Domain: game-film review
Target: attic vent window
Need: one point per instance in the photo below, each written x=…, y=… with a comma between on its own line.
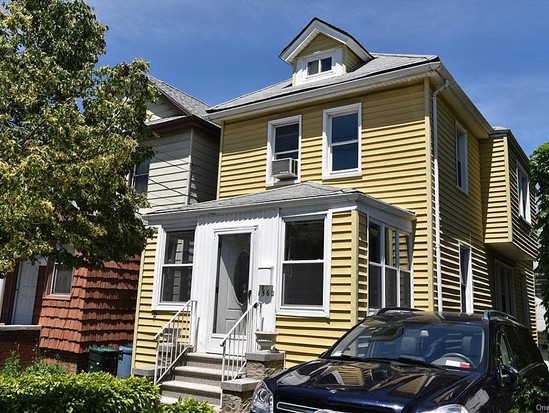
x=317, y=66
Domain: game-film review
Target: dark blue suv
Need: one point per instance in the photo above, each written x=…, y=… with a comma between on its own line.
x=406, y=360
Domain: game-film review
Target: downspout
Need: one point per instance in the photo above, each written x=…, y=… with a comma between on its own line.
x=437, y=194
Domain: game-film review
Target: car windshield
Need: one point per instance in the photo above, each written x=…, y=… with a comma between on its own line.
x=441, y=344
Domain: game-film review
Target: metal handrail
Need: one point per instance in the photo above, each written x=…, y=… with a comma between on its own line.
x=239, y=340
x=174, y=339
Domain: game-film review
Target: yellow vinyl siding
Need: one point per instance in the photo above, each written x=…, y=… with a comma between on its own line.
x=362, y=281
x=461, y=217
x=495, y=177
x=521, y=230
x=319, y=44
x=351, y=61
x=505, y=228
x=306, y=337
x=394, y=160
x=147, y=324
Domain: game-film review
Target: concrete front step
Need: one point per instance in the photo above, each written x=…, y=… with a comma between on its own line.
x=174, y=389
x=206, y=360
x=198, y=375
x=172, y=400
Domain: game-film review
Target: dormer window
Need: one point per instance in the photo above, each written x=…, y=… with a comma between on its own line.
x=319, y=66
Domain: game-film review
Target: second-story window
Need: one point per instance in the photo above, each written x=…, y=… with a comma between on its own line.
x=283, y=158
x=523, y=184
x=342, y=128
x=140, y=177
x=461, y=158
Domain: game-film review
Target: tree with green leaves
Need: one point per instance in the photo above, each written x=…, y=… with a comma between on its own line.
x=539, y=169
x=69, y=137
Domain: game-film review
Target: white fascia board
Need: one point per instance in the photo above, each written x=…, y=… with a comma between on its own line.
x=385, y=206
x=338, y=89
x=157, y=218
x=480, y=125
x=317, y=27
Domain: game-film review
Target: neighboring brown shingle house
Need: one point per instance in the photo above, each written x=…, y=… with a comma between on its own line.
x=80, y=308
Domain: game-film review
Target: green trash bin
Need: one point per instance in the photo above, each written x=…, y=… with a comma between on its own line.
x=103, y=359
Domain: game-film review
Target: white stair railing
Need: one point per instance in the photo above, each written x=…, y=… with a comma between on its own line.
x=174, y=339
x=239, y=340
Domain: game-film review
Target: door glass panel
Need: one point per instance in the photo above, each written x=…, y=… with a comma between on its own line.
x=233, y=274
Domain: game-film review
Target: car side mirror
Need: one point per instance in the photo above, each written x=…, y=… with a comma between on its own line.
x=508, y=376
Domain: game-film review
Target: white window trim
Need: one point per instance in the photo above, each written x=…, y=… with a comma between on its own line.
x=526, y=215
x=52, y=284
x=157, y=304
x=469, y=282
x=272, y=125
x=327, y=172
x=301, y=75
x=461, y=131
x=383, y=265
x=306, y=311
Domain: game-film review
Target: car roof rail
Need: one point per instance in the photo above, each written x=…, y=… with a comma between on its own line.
x=386, y=310
x=489, y=314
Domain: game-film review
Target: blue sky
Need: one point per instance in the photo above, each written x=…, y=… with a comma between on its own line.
x=215, y=50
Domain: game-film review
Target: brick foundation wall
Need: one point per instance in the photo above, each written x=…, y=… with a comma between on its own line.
x=21, y=339
x=73, y=363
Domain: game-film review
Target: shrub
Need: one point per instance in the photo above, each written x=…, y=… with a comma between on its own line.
x=530, y=395
x=88, y=392
x=12, y=365
x=188, y=406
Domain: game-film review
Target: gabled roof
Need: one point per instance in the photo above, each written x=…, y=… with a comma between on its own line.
x=184, y=102
x=382, y=63
x=312, y=30
x=305, y=193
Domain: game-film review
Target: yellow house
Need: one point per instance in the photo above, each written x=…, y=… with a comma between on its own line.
x=364, y=181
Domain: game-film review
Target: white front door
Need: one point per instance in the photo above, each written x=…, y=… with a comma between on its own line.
x=233, y=286
x=25, y=293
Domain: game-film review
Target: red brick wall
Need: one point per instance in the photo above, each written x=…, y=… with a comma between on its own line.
x=22, y=339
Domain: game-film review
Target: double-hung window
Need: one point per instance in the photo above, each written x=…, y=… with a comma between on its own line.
x=176, y=269
x=461, y=158
x=140, y=177
x=523, y=193
x=304, y=282
x=341, y=141
x=389, y=267
x=284, y=142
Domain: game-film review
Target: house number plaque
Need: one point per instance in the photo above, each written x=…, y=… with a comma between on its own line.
x=266, y=293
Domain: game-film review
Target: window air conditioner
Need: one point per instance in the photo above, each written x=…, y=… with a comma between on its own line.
x=284, y=168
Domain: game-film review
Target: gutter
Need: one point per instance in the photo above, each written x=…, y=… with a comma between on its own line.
x=437, y=194
x=312, y=95
x=344, y=198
